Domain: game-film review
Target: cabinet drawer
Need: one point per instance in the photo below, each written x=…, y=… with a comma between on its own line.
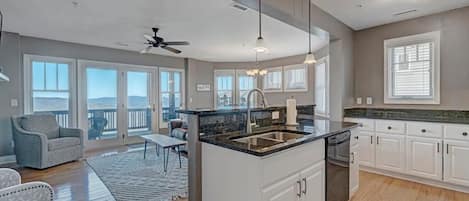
x=366, y=124
x=395, y=127
x=457, y=132
x=425, y=129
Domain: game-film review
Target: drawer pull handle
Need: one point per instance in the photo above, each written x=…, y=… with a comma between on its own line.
x=424, y=130
x=438, y=148
x=464, y=134
x=299, y=189
x=389, y=127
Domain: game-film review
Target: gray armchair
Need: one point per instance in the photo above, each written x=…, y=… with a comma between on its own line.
x=40, y=142
x=11, y=188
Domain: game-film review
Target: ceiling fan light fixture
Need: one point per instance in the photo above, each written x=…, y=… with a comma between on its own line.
x=310, y=58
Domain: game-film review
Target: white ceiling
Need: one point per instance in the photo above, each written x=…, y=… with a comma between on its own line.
x=379, y=12
x=216, y=30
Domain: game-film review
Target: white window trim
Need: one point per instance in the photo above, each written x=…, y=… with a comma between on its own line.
x=325, y=60
x=216, y=72
x=285, y=78
x=281, y=80
x=409, y=40
x=27, y=81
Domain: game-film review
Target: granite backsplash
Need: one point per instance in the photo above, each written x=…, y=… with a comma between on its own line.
x=229, y=122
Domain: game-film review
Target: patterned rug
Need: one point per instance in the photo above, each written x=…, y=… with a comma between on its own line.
x=129, y=177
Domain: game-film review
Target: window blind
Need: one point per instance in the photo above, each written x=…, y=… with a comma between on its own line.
x=412, y=70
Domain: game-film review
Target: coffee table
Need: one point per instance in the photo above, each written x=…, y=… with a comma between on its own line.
x=166, y=143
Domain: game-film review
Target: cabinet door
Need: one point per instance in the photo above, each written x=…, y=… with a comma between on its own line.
x=367, y=149
x=354, y=169
x=390, y=152
x=287, y=189
x=314, y=183
x=424, y=157
x=456, y=162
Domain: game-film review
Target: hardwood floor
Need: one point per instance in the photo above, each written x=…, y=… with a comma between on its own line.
x=78, y=182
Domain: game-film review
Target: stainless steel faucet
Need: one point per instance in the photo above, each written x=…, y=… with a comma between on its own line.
x=264, y=105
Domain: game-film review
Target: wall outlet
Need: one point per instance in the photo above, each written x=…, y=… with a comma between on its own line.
x=359, y=101
x=369, y=100
x=276, y=115
x=14, y=102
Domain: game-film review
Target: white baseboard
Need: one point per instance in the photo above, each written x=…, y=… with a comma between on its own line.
x=425, y=181
x=7, y=159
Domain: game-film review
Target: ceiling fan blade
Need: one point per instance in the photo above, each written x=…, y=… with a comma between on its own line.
x=177, y=43
x=145, y=50
x=176, y=51
x=149, y=38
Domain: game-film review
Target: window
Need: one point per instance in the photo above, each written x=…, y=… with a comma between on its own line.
x=272, y=81
x=232, y=87
x=49, y=87
x=296, y=77
x=412, y=69
x=224, y=88
x=321, y=87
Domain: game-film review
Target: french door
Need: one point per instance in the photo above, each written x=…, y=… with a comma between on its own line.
x=171, y=94
x=118, y=102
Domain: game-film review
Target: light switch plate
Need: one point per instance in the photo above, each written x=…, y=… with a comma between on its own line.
x=359, y=100
x=275, y=115
x=369, y=100
x=14, y=102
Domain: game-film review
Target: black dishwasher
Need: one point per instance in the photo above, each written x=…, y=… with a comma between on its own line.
x=337, y=167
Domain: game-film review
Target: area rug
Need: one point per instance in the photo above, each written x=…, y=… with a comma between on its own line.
x=130, y=177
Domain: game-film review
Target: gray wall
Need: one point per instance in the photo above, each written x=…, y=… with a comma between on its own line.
x=11, y=55
x=199, y=72
x=454, y=26
x=279, y=98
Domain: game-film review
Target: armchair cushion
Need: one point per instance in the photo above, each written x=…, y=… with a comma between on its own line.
x=9, y=177
x=63, y=142
x=179, y=133
x=41, y=123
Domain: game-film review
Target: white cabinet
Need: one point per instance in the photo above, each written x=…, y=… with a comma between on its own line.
x=424, y=157
x=367, y=149
x=354, y=169
x=456, y=158
x=390, y=152
x=287, y=189
x=314, y=183
x=307, y=185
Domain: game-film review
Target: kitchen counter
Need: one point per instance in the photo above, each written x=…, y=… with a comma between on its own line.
x=314, y=129
x=234, y=110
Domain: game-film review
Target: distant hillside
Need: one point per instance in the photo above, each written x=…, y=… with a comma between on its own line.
x=61, y=104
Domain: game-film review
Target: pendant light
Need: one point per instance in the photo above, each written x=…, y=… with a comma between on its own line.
x=257, y=71
x=260, y=43
x=310, y=59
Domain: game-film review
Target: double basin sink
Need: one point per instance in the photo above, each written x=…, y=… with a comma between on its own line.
x=269, y=140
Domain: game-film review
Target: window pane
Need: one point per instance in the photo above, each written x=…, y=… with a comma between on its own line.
x=320, y=88
x=63, y=76
x=177, y=82
x=296, y=78
x=38, y=75
x=273, y=80
x=224, y=98
x=56, y=103
x=164, y=76
x=137, y=90
x=51, y=76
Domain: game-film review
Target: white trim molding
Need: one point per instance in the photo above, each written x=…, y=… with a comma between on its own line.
x=434, y=38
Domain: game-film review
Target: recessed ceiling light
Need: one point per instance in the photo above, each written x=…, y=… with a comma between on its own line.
x=122, y=44
x=404, y=12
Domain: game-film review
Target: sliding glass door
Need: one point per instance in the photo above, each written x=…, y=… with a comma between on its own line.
x=171, y=94
x=120, y=102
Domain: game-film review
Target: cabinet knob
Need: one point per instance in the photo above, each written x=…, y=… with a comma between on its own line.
x=464, y=134
x=389, y=127
x=424, y=130
x=356, y=137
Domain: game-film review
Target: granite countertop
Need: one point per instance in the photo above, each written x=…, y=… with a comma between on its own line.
x=313, y=130
x=230, y=110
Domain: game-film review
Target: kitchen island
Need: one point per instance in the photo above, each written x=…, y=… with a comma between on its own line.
x=224, y=160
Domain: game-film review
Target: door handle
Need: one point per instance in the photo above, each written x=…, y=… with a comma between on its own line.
x=306, y=187
x=299, y=189
x=447, y=148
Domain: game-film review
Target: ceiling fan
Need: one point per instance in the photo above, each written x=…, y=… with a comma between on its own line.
x=155, y=42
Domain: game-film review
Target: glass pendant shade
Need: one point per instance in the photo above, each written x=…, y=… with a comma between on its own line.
x=260, y=45
x=310, y=59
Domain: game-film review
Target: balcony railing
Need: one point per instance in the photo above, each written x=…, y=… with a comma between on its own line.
x=137, y=118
